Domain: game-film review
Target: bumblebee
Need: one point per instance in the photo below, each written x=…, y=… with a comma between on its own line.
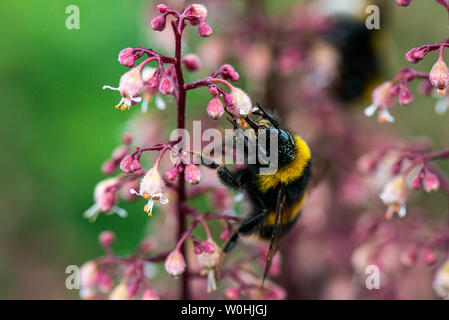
x=276, y=199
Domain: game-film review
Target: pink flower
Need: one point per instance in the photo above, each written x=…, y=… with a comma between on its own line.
x=131, y=86
x=405, y=96
x=215, y=108
x=241, y=103
x=152, y=188
x=204, y=30
x=126, y=57
x=196, y=14
x=172, y=173
x=105, y=199
x=175, y=264
x=191, y=62
x=209, y=259
x=439, y=76
x=106, y=238
x=383, y=100
x=158, y=23
x=394, y=196
x=166, y=85
x=192, y=174
x=431, y=182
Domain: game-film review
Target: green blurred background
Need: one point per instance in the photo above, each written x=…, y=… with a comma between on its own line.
x=58, y=126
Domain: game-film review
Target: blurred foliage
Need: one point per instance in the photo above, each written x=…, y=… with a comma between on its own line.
x=58, y=126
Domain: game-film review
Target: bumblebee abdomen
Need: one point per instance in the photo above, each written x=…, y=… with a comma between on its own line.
x=291, y=214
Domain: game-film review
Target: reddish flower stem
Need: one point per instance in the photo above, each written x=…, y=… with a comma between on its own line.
x=178, y=27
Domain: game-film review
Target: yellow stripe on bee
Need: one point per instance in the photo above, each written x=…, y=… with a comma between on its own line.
x=290, y=172
x=290, y=212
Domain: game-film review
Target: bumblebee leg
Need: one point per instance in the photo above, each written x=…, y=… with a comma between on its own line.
x=228, y=178
x=246, y=227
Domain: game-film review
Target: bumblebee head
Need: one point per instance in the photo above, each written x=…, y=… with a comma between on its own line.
x=284, y=151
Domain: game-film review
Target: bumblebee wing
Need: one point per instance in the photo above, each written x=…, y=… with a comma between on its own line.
x=277, y=231
x=320, y=169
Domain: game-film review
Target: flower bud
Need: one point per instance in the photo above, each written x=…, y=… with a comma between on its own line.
x=431, y=182
x=415, y=55
x=108, y=167
x=192, y=174
x=405, y=96
x=175, y=264
x=172, y=173
x=126, y=57
x=403, y=3
x=439, y=76
x=158, y=23
x=228, y=73
x=106, y=238
x=191, y=62
x=213, y=91
x=215, y=108
x=198, y=14
x=166, y=86
x=162, y=8
x=430, y=257
x=149, y=294
x=204, y=30
x=232, y=293
x=135, y=165
x=241, y=106
x=125, y=164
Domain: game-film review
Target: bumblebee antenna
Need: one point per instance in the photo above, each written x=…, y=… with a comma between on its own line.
x=270, y=118
x=252, y=123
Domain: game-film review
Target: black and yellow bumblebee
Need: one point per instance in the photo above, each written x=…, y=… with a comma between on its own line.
x=276, y=199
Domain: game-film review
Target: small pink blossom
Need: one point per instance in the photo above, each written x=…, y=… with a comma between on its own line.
x=151, y=188
x=192, y=174
x=439, y=76
x=106, y=238
x=431, y=182
x=191, y=62
x=204, y=30
x=175, y=264
x=215, y=108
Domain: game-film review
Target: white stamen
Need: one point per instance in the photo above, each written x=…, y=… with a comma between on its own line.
x=144, y=105
x=160, y=103
x=121, y=212
x=442, y=105
x=370, y=110
x=402, y=211
x=112, y=88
